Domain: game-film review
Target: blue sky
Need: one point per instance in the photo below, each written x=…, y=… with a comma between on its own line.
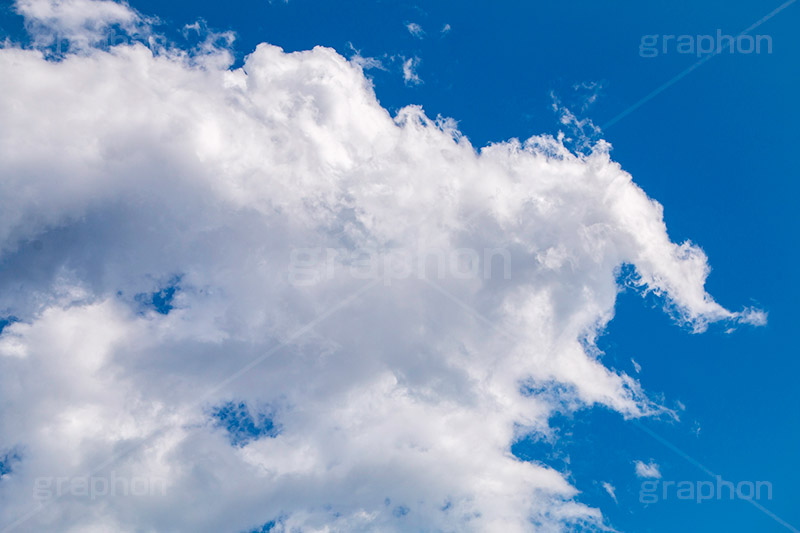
x=717, y=149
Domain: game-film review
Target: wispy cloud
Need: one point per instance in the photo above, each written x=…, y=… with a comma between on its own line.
x=415, y=30
x=410, y=71
x=609, y=488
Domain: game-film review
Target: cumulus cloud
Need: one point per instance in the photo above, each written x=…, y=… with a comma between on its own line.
x=270, y=301
x=647, y=470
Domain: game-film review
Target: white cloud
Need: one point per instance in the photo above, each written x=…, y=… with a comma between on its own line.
x=446, y=29
x=410, y=71
x=365, y=62
x=647, y=470
x=609, y=488
x=415, y=30
x=124, y=173
x=81, y=23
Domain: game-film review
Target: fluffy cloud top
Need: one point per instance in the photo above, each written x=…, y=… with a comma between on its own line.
x=78, y=23
x=179, y=238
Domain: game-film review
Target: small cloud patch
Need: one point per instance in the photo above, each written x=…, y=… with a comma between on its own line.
x=609, y=488
x=415, y=30
x=410, y=71
x=647, y=470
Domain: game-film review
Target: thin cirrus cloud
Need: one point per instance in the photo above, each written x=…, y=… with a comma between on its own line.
x=178, y=240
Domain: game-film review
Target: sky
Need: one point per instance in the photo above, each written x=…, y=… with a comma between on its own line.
x=394, y=266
